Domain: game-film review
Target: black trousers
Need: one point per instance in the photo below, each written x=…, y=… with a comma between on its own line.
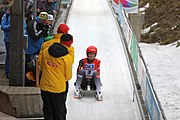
x=65, y=95
x=54, y=107
x=66, y=92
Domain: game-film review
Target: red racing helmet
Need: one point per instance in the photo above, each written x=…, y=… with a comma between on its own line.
x=91, y=49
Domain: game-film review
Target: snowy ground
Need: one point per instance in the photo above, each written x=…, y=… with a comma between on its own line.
x=163, y=63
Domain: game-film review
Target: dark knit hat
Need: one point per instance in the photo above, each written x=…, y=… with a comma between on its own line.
x=66, y=39
x=63, y=28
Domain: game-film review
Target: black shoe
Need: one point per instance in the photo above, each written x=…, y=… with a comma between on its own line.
x=84, y=88
x=92, y=88
x=7, y=76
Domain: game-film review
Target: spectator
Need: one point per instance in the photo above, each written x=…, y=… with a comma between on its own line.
x=3, y=9
x=50, y=20
x=28, y=10
x=5, y=26
x=47, y=5
x=50, y=23
x=56, y=67
x=37, y=30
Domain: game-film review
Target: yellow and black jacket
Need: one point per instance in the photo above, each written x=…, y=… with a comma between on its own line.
x=56, y=38
x=56, y=66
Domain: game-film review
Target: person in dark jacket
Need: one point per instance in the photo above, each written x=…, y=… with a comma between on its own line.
x=28, y=10
x=36, y=30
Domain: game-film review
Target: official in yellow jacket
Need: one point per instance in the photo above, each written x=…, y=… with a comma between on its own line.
x=62, y=29
x=56, y=66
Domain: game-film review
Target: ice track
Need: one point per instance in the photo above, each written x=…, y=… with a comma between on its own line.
x=92, y=22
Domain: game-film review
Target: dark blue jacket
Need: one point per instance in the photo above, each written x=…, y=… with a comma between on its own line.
x=34, y=46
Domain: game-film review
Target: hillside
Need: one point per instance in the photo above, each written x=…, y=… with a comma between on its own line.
x=166, y=15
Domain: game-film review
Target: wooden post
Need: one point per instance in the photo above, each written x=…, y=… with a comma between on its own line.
x=17, y=54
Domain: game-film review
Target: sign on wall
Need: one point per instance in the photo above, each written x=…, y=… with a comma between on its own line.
x=130, y=6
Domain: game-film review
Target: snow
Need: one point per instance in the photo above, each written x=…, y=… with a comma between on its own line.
x=164, y=68
x=144, y=8
x=146, y=30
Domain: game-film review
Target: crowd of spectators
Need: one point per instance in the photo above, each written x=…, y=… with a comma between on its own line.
x=37, y=28
x=49, y=6
x=53, y=54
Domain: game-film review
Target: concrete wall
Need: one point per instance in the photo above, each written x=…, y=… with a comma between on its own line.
x=21, y=101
